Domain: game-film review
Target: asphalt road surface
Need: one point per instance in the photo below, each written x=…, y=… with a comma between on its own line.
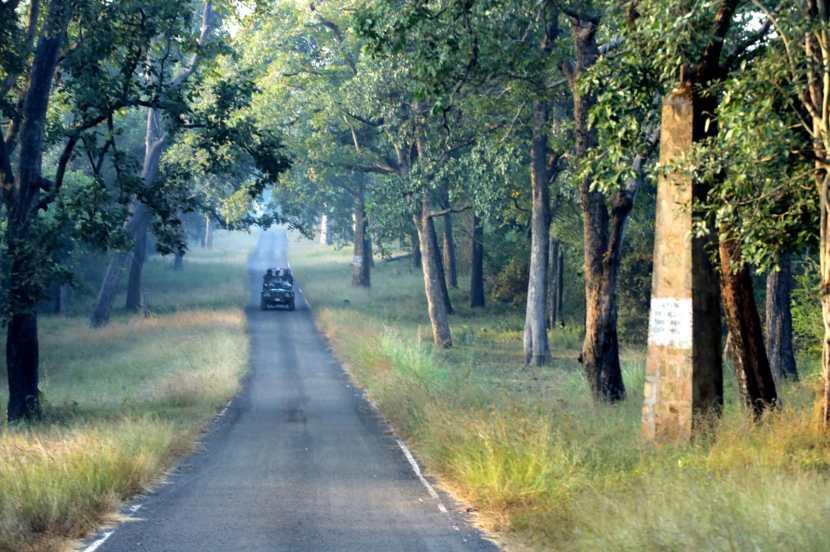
x=298, y=462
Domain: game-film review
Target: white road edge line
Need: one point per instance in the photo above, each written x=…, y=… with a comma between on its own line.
x=417, y=469
x=94, y=546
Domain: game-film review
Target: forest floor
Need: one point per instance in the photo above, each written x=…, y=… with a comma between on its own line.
x=546, y=468
x=122, y=402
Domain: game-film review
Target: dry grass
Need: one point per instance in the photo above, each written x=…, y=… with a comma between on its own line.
x=124, y=401
x=545, y=467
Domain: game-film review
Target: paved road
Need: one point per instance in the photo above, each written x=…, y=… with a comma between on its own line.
x=298, y=462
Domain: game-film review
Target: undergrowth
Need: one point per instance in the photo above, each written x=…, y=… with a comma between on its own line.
x=122, y=402
x=543, y=465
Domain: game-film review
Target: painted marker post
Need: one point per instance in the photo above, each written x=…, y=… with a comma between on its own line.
x=684, y=377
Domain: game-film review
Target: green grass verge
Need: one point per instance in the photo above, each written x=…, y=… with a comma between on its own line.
x=122, y=402
x=547, y=468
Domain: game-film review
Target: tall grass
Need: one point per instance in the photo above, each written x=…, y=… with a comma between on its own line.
x=122, y=402
x=543, y=465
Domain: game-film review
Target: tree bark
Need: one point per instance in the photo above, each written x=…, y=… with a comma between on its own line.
x=22, y=361
x=208, y=239
x=133, y=302
x=137, y=225
x=416, y=249
x=439, y=263
x=749, y=357
x=602, y=246
x=780, y=321
x=20, y=195
x=361, y=266
x=64, y=298
x=535, y=339
x=433, y=279
x=477, y=273
x=450, y=257
x=556, y=288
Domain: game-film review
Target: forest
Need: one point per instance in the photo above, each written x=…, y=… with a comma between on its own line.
x=576, y=253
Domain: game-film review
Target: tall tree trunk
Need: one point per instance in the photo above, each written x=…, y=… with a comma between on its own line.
x=602, y=249
x=439, y=264
x=749, y=356
x=535, y=339
x=22, y=366
x=780, y=321
x=208, y=240
x=139, y=255
x=477, y=272
x=433, y=279
x=361, y=267
x=20, y=195
x=154, y=145
x=137, y=225
x=416, y=249
x=64, y=298
x=823, y=181
x=450, y=257
x=325, y=230
x=556, y=288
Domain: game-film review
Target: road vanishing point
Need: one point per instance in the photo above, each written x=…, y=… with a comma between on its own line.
x=299, y=461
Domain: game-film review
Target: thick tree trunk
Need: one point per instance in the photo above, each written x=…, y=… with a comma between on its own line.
x=450, y=260
x=477, y=272
x=556, y=287
x=433, y=279
x=780, y=321
x=208, y=239
x=535, y=339
x=133, y=302
x=602, y=249
x=20, y=195
x=749, y=356
x=22, y=367
x=361, y=266
x=416, y=249
x=178, y=261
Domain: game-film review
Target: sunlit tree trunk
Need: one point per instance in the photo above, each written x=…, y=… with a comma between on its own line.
x=535, y=337
x=749, y=357
x=433, y=279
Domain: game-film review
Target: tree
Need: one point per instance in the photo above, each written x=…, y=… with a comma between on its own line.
x=140, y=217
x=98, y=81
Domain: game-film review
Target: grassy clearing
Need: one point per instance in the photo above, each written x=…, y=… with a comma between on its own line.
x=122, y=402
x=545, y=467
